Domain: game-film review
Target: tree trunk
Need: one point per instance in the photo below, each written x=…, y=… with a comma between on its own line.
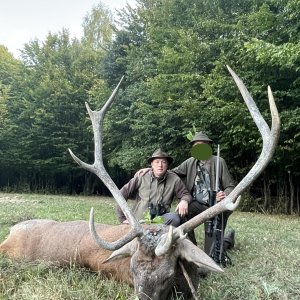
x=298, y=200
x=286, y=198
x=281, y=205
x=291, y=193
x=88, y=184
x=267, y=193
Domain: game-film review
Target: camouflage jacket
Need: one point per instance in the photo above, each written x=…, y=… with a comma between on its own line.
x=188, y=169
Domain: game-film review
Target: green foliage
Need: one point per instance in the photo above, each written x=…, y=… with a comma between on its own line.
x=46, y=108
x=97, y=28
x=9, y=72
x=191, y=134
x=177, y=80
x=147, y=219
x=173, y=54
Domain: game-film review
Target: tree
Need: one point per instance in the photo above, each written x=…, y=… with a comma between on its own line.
x=98, y=28
x=175, y=55
x=9, y=72
x=47, y=110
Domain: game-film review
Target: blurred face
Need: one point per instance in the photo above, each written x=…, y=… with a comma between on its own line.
x=201, y=150
x=159, y=166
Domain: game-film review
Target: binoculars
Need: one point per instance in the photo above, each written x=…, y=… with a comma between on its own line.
x=156, y=210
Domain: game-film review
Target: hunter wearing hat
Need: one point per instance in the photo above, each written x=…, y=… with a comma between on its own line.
x=155, y=191
x=199, y=177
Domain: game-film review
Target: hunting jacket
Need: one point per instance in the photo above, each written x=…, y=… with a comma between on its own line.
x=149, y=189
x=188, y=169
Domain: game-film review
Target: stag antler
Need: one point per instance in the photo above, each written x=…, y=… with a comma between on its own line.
x=269, y=137
x=98, y=169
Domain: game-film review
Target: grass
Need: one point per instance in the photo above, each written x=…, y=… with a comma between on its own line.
x=266, y=256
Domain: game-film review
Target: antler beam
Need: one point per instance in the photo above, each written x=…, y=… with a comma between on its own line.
x=98, y=169
x=270, y=139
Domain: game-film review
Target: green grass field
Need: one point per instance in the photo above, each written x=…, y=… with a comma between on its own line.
x=266, y=256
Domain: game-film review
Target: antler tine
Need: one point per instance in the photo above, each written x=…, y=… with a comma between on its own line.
x=109, y=245
x=98, y=168
x=270, y=139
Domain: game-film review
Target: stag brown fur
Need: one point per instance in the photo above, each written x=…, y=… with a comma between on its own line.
x=63, y=243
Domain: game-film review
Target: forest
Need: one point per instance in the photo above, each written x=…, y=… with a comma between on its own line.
x=173, y=56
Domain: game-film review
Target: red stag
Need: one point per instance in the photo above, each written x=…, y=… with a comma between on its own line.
x=157, y=260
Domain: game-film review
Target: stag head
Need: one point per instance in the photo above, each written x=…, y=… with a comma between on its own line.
x=161, y=256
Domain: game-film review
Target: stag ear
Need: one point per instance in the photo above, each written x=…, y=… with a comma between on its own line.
x=126, y=250
x=191, y=253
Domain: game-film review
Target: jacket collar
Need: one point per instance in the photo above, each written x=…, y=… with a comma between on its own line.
x=159, y=179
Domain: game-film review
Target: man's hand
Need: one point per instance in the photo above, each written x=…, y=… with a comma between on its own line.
x=220, y=196
x=125, y=222
x=182, y=208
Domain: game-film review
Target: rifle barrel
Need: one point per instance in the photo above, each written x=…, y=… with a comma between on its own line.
x=217, y=169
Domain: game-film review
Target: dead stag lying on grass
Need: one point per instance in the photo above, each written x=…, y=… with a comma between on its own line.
x=153, y=259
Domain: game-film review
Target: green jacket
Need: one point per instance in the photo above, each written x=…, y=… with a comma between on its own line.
x=149, y=189
x=187, y=172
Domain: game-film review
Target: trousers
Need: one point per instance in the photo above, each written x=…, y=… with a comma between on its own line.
x=196, y=208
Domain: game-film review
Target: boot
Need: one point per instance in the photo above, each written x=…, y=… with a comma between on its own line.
x=229, y=240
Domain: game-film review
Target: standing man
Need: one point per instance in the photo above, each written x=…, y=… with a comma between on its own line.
x=155, y=191
x=199, y=177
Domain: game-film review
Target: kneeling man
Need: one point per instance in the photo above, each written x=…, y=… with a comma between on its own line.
x=155, y=191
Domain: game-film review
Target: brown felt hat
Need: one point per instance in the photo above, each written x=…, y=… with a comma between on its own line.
x=200, y=136
x=160, y=154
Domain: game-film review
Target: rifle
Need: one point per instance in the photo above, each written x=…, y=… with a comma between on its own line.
x=214, y=234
